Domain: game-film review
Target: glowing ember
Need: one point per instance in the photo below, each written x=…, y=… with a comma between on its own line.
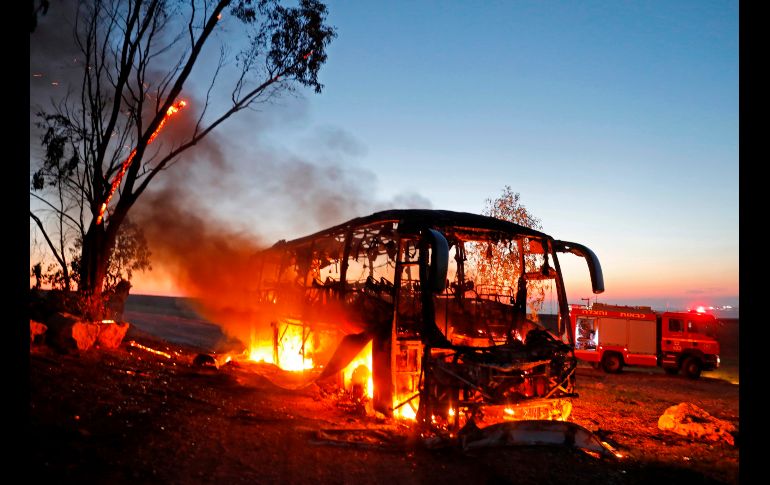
x=132, y=343
x=173, y=109
x=613, y=450
x=108, y=321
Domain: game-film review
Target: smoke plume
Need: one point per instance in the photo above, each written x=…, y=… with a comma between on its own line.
x=236, y=192
x=208, y=218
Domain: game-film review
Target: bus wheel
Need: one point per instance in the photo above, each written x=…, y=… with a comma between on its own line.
x=612, y=363
x=692, y=367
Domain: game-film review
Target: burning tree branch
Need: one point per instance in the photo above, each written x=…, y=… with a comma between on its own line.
x=119, y=177
x=134, y=66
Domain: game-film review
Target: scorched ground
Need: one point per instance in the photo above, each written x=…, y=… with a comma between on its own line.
x=132, y=416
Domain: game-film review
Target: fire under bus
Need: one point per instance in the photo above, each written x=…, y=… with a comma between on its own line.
x=449, y=347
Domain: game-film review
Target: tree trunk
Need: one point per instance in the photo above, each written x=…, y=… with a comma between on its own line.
x=93, y=268
x=95, y=257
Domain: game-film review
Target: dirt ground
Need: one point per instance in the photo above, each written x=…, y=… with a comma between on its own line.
x=131, y=416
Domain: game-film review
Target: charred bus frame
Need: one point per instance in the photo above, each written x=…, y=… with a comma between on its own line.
x=454, y=350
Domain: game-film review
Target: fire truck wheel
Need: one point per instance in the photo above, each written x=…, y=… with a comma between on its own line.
x=612, y=363
x=692, y=367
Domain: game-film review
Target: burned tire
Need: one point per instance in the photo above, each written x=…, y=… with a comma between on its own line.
x=612, y=363
x=692, y=367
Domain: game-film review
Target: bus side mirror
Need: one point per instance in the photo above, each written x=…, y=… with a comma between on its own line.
x=594, y=268
x=439, y=261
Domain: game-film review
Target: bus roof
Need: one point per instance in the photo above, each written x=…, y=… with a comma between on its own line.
x=426, y=218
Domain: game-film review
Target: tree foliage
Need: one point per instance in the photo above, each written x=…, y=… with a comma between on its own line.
x=135, y=58
x=499, y=264
x=130, y=254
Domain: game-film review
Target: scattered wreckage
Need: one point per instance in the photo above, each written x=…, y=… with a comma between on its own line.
x=441, y=297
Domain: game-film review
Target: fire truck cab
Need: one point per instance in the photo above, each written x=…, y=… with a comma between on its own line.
x=613, y=336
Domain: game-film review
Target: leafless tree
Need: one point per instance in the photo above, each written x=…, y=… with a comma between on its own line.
x=135, y=58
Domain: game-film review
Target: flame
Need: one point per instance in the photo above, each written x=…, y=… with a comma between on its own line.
x=173, y=109
x=259, y=350
x=406, y=412
x=292, y=357
x=364, y=358
x=261, y=354
x=295, y=349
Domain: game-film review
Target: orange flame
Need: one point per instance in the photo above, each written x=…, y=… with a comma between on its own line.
x=173, y=109
x=295, y=352
x=405, y=412
x=294, y=348
x=364, y=358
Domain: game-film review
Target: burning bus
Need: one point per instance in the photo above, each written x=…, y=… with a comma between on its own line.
x=440, y=298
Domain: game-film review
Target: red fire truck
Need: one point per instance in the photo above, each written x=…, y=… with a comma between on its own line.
x=612, y=336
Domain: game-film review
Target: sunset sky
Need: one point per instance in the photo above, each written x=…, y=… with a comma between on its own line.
x=617, y=122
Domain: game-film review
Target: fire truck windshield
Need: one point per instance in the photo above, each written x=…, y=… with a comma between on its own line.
x=704, y=327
